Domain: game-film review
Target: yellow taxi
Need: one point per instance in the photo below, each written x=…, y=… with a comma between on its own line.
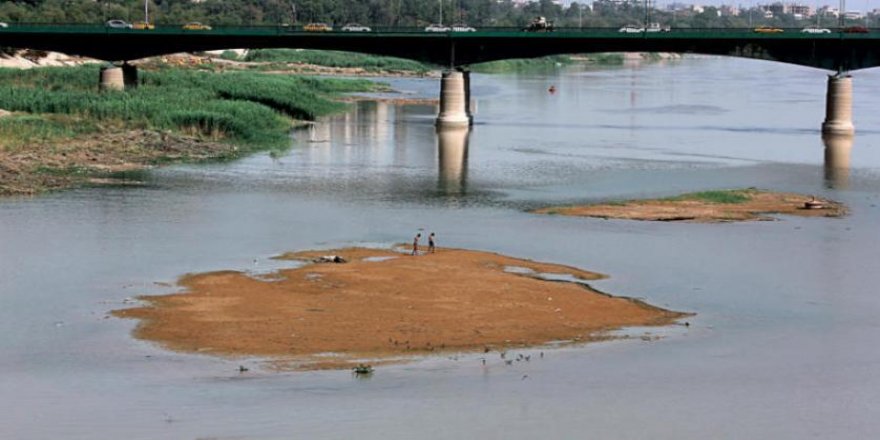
x=196, y=26
x=143, y=25
x=317, y=27
x=768, y=30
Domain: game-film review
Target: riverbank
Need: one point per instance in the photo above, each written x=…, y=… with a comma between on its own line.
x=57, y=130
x=708, y=206
x=385, y=304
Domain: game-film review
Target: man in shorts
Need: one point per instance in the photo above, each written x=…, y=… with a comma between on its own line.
x=415, y=250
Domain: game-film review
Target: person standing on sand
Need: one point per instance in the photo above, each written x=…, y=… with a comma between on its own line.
x=431, y=243
x=416, y=243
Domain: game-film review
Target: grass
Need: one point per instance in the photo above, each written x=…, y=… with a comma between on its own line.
x=230, y=55
x=730, y=196
x=255, y=109
x=329, y=58
x=522, y=64
x=63, y=131
x=609, y=59
x=19, y=131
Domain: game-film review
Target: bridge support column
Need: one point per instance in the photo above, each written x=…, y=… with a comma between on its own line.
x=453, y=104
x=838, y=106
x=129, y=76
x=468, y=107
x=111, y=78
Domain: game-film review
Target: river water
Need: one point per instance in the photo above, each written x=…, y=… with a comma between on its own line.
x=783, y=344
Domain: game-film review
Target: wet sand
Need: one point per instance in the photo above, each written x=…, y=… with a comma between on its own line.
x=330, y=315
x=704, y=207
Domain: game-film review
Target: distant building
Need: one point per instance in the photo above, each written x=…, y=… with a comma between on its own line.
x=798, y=10
x=729, y=11
x=828, y=11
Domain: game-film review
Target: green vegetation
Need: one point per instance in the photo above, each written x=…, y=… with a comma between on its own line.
x=19, y=131
x=610, y=59
x=729, y=196
x=239, y=106
x=523, y=64
x=230, y=55
x=332, y=58
x=63, y=131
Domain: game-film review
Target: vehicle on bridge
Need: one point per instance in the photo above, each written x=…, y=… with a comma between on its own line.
x=143, y=25
x=631, y=29
x=117, y=24
x=437, y=28
x=655, y=27
x=539, y=24
x=354, y=27
x=196, y=26
x=317, y=27
x=768, y=30
x=3, y=24
x=815, y=30
x=462, y=28
x=856, y=30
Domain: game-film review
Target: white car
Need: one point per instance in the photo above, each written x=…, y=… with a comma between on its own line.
x=462, y=28
x=631, y=30
x=815, y=30
x=3, y=24
x=118, y=24
x=354, y=27
x=437, y=28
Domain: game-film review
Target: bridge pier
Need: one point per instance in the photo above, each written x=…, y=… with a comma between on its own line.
x=111, y=78
x=118, y=77
x=468, y=105
x=838, y=106
x=129, y=76
x=453, y=100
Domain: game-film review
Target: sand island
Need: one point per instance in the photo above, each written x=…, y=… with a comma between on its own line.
x=384, y=304
x=708, y=206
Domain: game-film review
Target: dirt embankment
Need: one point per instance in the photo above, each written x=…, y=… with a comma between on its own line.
x=384, y=304
x=710, y=206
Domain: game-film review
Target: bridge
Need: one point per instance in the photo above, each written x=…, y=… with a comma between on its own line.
x=839, y=50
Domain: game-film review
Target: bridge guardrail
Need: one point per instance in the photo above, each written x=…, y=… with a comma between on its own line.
x=298, y=29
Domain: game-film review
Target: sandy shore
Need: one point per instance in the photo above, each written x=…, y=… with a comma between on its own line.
x=385, y=305
x=710, y=206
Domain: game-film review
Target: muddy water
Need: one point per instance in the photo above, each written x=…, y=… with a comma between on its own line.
x=783, y=346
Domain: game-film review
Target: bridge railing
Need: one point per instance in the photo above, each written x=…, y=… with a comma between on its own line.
x=299, y=29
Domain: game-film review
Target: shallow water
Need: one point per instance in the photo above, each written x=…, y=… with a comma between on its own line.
x=782, y=346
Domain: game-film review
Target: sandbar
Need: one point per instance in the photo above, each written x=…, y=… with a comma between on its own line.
x=386, y=305
x=708, y=207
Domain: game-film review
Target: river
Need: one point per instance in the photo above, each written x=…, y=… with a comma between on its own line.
x=783, y=344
